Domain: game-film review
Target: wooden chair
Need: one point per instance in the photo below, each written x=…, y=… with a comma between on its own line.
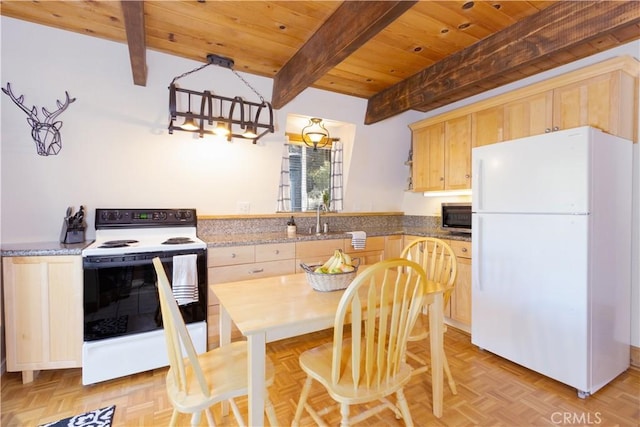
x=380, y=307
x=440, y=265
x=197, y=382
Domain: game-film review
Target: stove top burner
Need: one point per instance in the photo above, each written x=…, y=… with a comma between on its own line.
x=117, y=243
x=177, y=241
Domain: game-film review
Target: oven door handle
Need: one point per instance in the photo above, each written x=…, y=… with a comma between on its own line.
x=132, y=259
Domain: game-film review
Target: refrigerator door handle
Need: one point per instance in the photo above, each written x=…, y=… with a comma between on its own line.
x=477, y=237
x=477, y=177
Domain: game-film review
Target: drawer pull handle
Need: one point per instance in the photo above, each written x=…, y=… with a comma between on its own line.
x=277, y=252
x=464, y=249
x=257, y=270
x=233, y=255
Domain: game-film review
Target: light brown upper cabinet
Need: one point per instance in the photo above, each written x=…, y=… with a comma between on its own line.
x=442, y=155
x=603, y=95
x=604, y=102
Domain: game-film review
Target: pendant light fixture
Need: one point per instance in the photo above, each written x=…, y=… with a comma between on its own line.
x=221, y=129
x=189, y=122
x=233, y=121
x=315, y=134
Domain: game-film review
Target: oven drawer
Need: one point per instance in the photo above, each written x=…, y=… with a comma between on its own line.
x=230, y=255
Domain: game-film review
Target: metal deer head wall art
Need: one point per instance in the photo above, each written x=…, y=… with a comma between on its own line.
x=46, y=133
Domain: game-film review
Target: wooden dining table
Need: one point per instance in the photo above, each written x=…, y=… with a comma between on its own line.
x=274, y=308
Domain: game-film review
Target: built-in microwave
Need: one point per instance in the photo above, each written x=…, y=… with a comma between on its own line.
x=456, y=217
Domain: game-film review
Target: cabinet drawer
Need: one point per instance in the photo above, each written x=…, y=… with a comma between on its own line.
x=275, y=252
x=230, y=255
x=460, y=248
x=233, y=273
x=317, y=248
x=372, y=244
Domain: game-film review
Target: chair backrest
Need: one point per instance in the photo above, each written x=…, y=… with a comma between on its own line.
x=177, y=336
x=381, y=304
x=437, y=259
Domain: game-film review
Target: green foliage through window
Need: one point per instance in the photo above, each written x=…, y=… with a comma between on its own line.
x=309, y=172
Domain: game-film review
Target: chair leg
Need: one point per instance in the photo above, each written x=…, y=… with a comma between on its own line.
x=210, y=419
x=174, y=418
x=344, y=412
x=303, y=399
x=404, y=408
x=195, y=419
x=270, y=411
x=447, y=370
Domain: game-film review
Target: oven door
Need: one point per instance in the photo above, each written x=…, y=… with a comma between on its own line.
x=120, y=295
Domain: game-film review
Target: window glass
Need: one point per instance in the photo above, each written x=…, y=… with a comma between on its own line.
x=309, y=172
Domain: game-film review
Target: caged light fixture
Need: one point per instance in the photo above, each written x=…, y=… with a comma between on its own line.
x=234, y=117
x=315, y=134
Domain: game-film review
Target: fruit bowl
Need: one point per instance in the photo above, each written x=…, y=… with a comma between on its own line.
x=326, y=282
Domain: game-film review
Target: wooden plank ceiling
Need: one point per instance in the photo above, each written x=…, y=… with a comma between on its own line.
x=400, y=55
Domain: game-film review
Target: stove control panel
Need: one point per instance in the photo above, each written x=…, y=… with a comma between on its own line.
x=128, y=218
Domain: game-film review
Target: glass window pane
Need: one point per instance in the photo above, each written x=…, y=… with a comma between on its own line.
x=309, y=172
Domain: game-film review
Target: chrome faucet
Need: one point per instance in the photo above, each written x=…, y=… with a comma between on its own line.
x=318, y=228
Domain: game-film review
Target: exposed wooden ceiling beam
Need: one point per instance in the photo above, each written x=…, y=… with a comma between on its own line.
x=133, y=11
x=558, y=28
x=348, y=28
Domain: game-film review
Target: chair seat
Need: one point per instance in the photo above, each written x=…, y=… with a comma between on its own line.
x=225, y=369
x=317, y=364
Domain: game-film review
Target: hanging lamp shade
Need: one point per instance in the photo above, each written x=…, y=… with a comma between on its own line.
x=315, y=134
x=189, y=121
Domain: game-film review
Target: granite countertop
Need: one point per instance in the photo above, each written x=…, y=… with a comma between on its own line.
x=221, y=240
x=42, y=249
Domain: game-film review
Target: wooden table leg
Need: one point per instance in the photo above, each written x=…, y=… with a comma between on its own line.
x=224, y=330
x=257, y=349
x=436, y=328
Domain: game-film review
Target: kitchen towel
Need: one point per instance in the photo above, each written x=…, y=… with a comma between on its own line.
x=185, y=279
x=358, y=239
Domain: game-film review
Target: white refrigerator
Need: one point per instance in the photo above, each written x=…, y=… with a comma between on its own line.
x=551, y=244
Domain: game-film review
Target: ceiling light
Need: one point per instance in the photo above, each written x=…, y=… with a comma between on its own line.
x=189, y=121
x=315, y=134
x=234, y=121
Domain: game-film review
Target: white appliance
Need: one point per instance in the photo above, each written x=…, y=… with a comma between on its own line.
x=551, y=245
x=123, y=331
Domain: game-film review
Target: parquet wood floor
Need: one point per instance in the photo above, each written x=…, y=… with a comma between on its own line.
x=491, y=392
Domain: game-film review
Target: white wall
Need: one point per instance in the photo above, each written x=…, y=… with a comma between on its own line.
x=117, y=151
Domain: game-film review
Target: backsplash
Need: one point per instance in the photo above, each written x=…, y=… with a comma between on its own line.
x=304, y=223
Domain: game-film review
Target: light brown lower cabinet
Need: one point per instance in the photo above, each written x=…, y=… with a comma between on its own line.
x=458, y=313
x=373, y=251
x=43, y=313
x=233, y=263
x=460, y=304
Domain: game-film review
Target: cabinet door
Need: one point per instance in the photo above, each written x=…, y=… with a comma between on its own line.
x=43, y=312
x=372, y=253
x=393, y=246
x=458, y=153
x=528, y=116
x=428, y=158
x=487, y=126
x=315, y=252
x=460, y=303
x=596, y=102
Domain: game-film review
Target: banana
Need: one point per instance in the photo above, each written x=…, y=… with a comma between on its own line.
x=338, y=263
x=347, y=259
